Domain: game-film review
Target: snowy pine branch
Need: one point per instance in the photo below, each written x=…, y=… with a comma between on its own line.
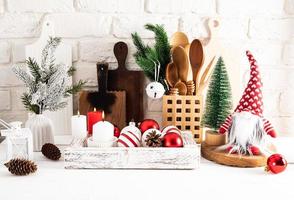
x=49, y=84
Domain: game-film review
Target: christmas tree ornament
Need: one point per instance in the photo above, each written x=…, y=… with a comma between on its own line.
x=19, y=141
x=51, y=151
x=130, y=136
x=172, y=140
x=248, y=129
x=116, y=132
x=148, y=124
x=276, y=163
x=170, y=129
x=155, y=90
x=21, y=167
x=145, y=54
x=218, y=104
x=152, y=138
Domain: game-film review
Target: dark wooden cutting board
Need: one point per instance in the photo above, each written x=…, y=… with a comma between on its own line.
x=130, y=81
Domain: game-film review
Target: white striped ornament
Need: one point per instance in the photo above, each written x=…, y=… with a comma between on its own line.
x=130, y=136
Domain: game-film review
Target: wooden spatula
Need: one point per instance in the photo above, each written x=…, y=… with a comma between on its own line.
x=171, y=74
x=196, y=56
x=181, y=60
x=179, y=39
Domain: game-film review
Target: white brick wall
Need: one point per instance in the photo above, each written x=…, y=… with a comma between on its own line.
x=93, y=26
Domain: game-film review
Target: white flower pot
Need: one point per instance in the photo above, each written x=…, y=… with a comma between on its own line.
x=42, y=130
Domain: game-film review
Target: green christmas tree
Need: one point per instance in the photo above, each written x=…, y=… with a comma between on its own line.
x=146, y=55
x=219, y=98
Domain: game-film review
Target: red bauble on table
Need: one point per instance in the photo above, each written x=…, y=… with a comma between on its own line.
x=116, y=131
x=148, y=124
x=276, y=163
x=172, y=140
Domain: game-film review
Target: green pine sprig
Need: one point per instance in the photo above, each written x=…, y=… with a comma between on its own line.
x=146, y=55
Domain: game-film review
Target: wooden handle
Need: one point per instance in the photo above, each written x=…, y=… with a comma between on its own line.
x=102, y=72
x=120, y=51
x=213, y=25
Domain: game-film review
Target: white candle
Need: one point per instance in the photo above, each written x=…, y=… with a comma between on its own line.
x=79, y=126
x=103, y=131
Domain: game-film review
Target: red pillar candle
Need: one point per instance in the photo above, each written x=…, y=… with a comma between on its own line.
x=93, y=118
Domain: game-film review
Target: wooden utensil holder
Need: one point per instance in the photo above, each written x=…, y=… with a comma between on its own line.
x=183, y=112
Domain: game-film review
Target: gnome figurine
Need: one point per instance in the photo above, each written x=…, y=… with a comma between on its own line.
x=247, y=128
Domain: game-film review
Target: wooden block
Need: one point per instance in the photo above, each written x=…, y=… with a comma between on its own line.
x=235, y=160
x=183, y=112
x=187, y=157
x=118, y=115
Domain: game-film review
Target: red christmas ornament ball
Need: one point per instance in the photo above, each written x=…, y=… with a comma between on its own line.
x=148, y=124
x=276, y=163
x=116, y=132
x=172, y=139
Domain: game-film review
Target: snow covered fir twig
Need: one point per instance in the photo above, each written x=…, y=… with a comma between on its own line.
x=48, y=84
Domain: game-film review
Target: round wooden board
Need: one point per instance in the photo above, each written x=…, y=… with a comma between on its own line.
x=222, y=157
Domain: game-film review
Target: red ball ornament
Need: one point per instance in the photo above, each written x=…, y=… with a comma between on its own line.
x=172, y=140
x=148, y=124
x=116, y=132
x=276, y=163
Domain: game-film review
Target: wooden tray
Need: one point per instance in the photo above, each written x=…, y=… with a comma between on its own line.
x=187, y=157
x=221, y=157
x=183, y=112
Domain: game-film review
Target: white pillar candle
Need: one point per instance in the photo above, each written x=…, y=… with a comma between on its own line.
x=79, y=126
x=103, y=131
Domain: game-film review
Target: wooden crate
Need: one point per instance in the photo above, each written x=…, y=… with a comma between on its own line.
x=184, y=112
x=187, y=157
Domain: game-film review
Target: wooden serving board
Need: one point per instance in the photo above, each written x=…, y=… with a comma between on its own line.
x=235, y=160
x=118, y=115
x=187, y=157
x=130, y=81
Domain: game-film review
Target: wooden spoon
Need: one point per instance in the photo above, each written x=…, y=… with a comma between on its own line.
x=196, y=56
x=181, y=60
x=181, y=87
x=171, y=74
x=179, y=39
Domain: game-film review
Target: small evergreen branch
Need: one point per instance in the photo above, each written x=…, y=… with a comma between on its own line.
x=141, y=47
x=34, y=69
x=48, y=52
x=75, y=88
x=26, y=100
x=71, y=71
x=145, y=55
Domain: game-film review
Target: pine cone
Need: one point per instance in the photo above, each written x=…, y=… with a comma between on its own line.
x=153, y=140
x=21, y=167
x=51, y=151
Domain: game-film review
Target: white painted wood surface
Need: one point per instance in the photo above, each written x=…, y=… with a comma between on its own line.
x=63, y=54
x=187, y=157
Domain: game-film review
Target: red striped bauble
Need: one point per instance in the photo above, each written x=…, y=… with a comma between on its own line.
x=170, y=129
x=130, y=136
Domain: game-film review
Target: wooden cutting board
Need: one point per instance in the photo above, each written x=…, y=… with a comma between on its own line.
x=118, y=115
x=132, y=82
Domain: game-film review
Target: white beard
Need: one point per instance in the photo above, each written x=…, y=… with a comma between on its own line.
x=246, y=130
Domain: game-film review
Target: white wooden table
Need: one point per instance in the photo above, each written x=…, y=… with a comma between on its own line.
x=211, y=181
